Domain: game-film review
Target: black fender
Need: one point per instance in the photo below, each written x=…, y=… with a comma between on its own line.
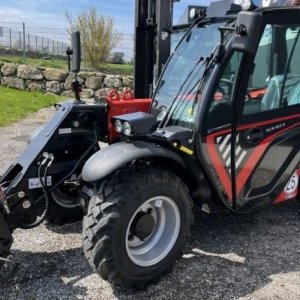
x=111, y=158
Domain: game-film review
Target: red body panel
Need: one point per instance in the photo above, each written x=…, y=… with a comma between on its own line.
x=120, y=106
x=252, y=161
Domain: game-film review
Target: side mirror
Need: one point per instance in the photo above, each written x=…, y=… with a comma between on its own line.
x=247, y=32
x=76, y=48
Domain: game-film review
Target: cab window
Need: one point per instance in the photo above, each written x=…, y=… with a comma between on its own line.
x=275, y=81
x=220, y=109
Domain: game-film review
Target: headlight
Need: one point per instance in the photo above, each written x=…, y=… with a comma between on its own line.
x=118, y=126
x=247, y=5
x=193, y=13
x=161, y=115
x=127, y=128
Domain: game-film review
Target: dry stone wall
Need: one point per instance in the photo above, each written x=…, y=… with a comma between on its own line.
x=56, y=81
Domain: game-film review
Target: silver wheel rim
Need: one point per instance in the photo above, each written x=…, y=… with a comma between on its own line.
x=160, y=242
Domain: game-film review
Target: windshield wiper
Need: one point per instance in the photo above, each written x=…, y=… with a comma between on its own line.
x=169, y=112
x=206, y=64
x=201, y=83
x=216, y=55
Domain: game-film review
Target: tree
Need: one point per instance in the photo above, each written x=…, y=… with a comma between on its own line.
x=98, y=33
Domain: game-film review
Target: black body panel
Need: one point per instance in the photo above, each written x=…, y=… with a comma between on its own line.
x=71, y=136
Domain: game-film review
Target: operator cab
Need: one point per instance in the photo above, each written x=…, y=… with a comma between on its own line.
x=228, y=102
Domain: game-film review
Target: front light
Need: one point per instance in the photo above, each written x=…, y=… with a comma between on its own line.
x=127, y=128
x=118, y=126
x=193, y=13
x=247, y=5
x=161, y=115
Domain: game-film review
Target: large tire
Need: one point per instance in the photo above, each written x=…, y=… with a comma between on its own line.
x=63, y=208
x=111, y=240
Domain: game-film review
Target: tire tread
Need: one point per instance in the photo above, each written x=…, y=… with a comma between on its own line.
x=99, y=223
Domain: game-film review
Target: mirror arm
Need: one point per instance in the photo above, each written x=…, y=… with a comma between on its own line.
x=69, y=52
x=76, y=88
x=76, y=57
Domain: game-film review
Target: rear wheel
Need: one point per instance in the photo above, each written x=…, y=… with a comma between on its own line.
x=63, y=207
x=136, y=227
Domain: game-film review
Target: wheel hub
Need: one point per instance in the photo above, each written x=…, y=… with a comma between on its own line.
x=152, y=231
x=143, y=225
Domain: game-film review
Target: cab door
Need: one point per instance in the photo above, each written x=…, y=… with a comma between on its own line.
x=250, y=131
x=267, y=128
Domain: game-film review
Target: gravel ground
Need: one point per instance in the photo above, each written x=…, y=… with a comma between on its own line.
x=250, y=257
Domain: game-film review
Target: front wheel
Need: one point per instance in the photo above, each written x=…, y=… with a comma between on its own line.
x=137, y=225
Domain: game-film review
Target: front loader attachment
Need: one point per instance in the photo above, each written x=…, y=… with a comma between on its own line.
x=35, y=182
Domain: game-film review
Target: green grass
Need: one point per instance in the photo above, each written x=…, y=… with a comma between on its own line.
x=63, y=64
x=117, y=69
x=16, y=104
x=47, y=63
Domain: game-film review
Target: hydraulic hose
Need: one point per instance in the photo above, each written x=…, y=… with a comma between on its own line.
x=42, y=218
x=74, y=168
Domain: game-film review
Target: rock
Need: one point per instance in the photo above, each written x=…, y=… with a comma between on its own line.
x=124, y=89
x=113, y=81
x=17, y=83
x=99, y=74
x=55, y=74
x=102, y=93
x=128, y=81
x=35, y=86
x=87, y=93
x=53, y=87
x=1, y=64
x=50, y=94
x=9, y=69
x=29, y=72
x=69, y=80
x=86, y=74
x=68, y=94
x=94, y=82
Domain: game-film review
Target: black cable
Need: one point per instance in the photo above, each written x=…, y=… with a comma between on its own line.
x=73, y=170
x=47, y=202
x=171, y=109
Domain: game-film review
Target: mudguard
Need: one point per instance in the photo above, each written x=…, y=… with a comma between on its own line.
x=109, y=159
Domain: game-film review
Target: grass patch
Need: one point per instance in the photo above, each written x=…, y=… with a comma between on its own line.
x=39, y=62
x=63, y=64
x=117, y=69
x=16, y=104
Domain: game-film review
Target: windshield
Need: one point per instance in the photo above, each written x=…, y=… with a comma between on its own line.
x=177, y=92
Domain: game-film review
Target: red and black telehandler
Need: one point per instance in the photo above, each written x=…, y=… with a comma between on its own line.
x=222, y=132
x=42, y=183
